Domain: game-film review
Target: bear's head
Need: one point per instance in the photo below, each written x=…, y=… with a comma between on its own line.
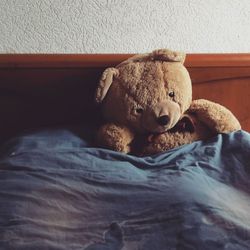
x=148, y=92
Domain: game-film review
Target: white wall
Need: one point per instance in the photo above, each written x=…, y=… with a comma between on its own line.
x=124, y=26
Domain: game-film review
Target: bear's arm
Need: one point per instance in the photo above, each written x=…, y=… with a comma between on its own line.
x=218, y=118
x=115, y=137
x=166, y=141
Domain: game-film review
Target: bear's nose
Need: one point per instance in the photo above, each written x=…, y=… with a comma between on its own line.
x=163, y=120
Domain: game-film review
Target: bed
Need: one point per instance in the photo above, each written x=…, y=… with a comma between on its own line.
x=59, y=191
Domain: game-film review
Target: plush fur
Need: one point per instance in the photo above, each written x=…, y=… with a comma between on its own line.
x=147, y=103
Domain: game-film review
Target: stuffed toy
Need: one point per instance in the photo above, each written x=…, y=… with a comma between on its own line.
x=147, y=104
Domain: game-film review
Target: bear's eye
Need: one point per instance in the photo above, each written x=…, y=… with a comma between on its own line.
x=171, y=93
x=139, y=110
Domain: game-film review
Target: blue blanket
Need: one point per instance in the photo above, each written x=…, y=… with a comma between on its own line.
x=58, y=192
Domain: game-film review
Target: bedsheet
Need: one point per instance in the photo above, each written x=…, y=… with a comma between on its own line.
x=59, y=192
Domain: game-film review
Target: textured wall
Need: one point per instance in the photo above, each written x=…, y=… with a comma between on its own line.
x=121, y=26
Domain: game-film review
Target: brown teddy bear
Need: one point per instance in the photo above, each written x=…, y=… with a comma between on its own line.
x=147, y=102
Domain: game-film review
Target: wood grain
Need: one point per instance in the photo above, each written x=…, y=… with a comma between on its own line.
x=46, y=90
x=106, y=60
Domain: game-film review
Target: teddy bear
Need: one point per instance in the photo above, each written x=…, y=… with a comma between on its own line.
x=147, y=104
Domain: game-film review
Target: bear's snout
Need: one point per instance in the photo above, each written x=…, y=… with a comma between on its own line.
x=161, y=117
x=163, y=120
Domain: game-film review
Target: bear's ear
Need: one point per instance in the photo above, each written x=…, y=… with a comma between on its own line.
x=168, y=55
x=157, y=55
x=105, y=83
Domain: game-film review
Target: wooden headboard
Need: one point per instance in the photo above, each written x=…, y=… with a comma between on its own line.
x=47, y=90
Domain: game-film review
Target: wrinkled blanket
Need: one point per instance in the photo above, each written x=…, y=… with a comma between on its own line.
x=58, y=192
